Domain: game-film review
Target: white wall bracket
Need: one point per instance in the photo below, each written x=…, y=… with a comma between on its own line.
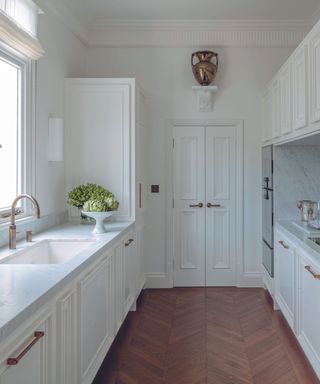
x=205, y=97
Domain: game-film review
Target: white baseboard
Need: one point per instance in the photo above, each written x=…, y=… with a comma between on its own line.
x=157, y=280
x=251, y=280
x=268, y=283
x=248, y=279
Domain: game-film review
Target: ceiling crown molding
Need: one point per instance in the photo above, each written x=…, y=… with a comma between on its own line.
x=180, y=33
x=197, y=33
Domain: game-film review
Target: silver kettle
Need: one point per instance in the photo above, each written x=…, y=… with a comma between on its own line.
x=308, y=209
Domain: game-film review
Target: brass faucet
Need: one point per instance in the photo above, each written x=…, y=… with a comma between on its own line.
x=13, y=228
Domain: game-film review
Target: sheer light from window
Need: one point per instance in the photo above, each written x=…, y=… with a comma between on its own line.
x=9, y=133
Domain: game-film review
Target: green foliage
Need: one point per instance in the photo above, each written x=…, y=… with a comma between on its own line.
x=92, y=198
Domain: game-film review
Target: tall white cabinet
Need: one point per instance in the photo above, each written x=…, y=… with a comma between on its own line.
x=106, y=144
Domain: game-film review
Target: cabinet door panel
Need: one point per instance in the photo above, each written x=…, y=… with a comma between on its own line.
x=130, y=272
x=67, y=336
x=315, y=76
x=275, y=108
x=285, y=99
x=96, y=329
x=299, y=88
x=285, y=281
x=309, y=310
x=37, y=366
x=266, y=121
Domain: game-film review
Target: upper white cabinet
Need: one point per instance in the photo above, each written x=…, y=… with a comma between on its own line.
x=285, y=99
x=105, y=119
x=275, y=108
x=299, y=88
x=314, y=48
x=294, y=94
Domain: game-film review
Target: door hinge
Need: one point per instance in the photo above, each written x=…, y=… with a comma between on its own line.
x=172, y=143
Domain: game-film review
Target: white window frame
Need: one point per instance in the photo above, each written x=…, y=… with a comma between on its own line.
x=26, y=131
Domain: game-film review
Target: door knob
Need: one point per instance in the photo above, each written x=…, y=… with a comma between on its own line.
x=209, y=205
x=200, y=205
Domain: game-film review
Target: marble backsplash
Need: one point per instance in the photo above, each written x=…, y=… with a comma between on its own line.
x=296, y=177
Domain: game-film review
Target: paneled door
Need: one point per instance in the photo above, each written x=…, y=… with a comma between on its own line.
x=220, y=183
x=204, y=206
x=189, y=206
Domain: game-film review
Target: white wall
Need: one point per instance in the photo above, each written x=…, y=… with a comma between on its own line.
x=64, y=56
x=166, y=77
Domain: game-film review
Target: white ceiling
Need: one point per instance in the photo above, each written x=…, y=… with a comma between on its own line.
x=92, y=11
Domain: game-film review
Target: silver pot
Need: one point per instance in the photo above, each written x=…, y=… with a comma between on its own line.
x=308, y=209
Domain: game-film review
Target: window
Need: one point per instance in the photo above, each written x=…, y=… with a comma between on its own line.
x=15, y=132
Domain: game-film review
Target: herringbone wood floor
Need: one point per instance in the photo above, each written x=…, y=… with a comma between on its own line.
x=205, y=336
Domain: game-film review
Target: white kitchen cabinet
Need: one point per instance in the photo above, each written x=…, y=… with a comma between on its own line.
x=285, y=280
x=119, y=287
x=309, y=309
x=314, y=92
x=96, y=317
x=34, y=348
x=285, y=99
x=299, y=87
x=106, y=140
x=266, y=118
x=130, y=271
x=67, y=321
x=275, y=107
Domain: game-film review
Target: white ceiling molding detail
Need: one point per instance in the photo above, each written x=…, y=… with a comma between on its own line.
x=197, y=33
x=182, y=33
x=67, y=16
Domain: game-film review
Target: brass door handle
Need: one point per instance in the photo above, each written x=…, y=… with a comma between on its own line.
x=127, y=243
x=209, y=205
x=200, y=205
x=285, y=246
x=15, y=360
x=308, y=268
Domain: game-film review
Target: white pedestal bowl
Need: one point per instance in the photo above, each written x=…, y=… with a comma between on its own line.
x=99, y=218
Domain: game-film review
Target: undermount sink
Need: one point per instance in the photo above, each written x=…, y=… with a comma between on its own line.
x=48, y=252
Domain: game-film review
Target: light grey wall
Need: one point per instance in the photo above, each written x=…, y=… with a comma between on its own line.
x=166, y=78
x=296, y=177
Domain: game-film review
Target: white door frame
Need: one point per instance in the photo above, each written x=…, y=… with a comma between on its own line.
x=238, y=124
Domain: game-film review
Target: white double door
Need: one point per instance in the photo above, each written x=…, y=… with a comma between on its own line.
x=205, y=206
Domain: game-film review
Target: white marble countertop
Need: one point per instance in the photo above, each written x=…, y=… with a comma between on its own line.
x=26, y=288
x=300, y=237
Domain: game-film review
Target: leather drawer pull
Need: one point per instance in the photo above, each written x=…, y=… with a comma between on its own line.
x=15, y=360
x=127, y=243
x=285, y=246
x=309, y=269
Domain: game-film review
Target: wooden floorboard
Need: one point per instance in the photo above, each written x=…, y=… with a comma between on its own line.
x=205, y=336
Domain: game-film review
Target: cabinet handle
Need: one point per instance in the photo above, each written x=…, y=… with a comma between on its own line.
x=15, y=360
x=200, y=205
x=285, y=246
x=309, y=269
x=209, y=205
x=127, y=243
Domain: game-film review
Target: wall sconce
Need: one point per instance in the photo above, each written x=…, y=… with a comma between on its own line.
x=55, y=139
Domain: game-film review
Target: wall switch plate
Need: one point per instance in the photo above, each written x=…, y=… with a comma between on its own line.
x=155, y=188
